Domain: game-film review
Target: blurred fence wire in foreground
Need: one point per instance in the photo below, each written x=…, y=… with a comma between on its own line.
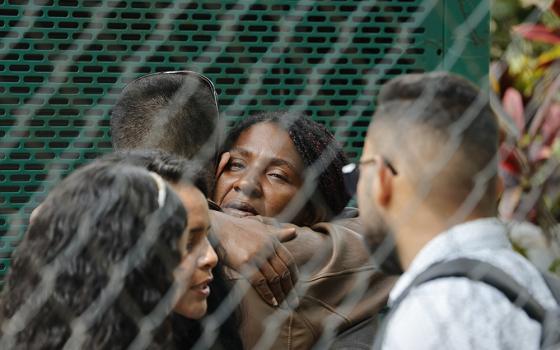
x=65, y=62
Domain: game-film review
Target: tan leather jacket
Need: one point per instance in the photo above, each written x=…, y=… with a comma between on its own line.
x=332, y=260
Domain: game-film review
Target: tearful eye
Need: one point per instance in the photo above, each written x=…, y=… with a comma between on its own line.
x=279, y=176
x=236, y=164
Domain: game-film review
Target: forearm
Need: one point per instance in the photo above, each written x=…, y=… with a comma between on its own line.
x=326, y=241
x=310, y=242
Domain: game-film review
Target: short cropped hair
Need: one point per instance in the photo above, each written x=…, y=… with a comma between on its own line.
x=170, y=167
x=110, y=209
x=421, y=117
x=172, y=111
x=314, y=143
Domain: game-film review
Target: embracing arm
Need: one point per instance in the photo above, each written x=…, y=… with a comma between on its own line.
x=271, y=253
x=253, y=249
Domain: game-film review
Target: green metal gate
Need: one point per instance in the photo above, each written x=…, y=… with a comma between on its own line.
x=64, y=62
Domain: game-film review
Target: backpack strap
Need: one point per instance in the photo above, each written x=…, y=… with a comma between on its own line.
x=475, y=270
x=484, y=272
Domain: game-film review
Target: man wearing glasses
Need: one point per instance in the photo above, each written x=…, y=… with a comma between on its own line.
x=429, y=177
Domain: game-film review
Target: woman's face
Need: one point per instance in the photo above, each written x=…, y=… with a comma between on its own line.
x=260, y=174
x=198, y=256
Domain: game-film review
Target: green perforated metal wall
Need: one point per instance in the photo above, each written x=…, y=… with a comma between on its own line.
x=64, y=62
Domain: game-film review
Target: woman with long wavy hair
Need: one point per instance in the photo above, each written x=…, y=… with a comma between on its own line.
x=191, y=182
x=98, y=265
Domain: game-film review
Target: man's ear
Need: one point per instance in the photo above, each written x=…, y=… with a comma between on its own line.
x=383, y=182
x=224, y=159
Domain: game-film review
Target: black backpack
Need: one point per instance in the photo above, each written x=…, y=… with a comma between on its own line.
x=477, y=270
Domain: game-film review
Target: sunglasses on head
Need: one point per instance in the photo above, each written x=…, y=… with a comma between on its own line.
x=201, y=80
x=351, y=173
x=200, y=77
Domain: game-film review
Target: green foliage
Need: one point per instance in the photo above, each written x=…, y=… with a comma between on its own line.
x=526, y=79
x=555, y=266
x=505, y=14
x=519, y=248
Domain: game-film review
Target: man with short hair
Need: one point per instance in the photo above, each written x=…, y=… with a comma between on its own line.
x=172, y=111
x=429, y=177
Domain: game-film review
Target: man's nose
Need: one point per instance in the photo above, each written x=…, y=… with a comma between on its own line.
x=249, y=185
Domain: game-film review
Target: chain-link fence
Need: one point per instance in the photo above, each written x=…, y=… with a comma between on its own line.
x=64, y=64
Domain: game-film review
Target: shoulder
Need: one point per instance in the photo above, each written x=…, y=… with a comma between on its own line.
x=446, y=295
x=461, y=314
x=525, y=273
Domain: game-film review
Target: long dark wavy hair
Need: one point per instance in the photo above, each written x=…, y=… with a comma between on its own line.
x=187, y=332
x=106, y=236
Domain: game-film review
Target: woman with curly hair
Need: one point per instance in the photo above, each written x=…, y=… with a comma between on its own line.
x=102, y=264
x=283, y=165
x=279, y=171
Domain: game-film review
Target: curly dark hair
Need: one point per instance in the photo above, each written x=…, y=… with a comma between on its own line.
x=101, y=218
x=314, y=143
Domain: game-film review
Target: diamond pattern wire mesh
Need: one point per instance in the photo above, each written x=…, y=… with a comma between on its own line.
x=63, y=64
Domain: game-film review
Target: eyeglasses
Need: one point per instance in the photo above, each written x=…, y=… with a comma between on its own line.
x=351, y=173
